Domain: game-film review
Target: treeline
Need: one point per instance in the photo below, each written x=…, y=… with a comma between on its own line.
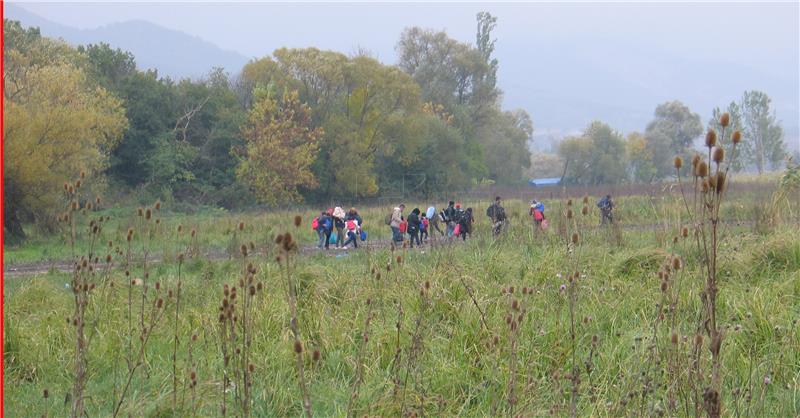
x=301, y=124
x=601, y=155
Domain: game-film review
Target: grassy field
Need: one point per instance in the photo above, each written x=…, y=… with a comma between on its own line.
x=482, y=328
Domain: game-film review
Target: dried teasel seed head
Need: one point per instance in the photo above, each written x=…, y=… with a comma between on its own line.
x=427, y=285
x=180, y=228
x=158, y=221
x=316, y=355
x=46, y=394
x=89, y=206
x=674, y=338
x=148, y=214
x=684, y=232
x=677, y=263
x=702, y=169
x=252, y=246
x=677, y=162
x=569, y=202
x=695, y=160
x=252, y=290
x=159, y=303
x=298, y=347
x=97, y=200
x=78, y=184
x=720, y=182
x=736, y=137
x=241, y=226
x=108, y=258
x=259, y=286
x=243, y=250
x=585, y=210
x=298, y=220
x=74, y=205
x=66, y=186
x=515, y=304
x=664, y=286
x=251, y=367
x=725, y=119
x=279, y=239
x=585, y=199
x=569, y=213
x=711, y=138
x=399, y=259
x=575, y=238
x=719, y=155
x=140, y=212
x=698, y=339
x=157, y=206
x=194, y=232
x=83, y=174
x=511, y=289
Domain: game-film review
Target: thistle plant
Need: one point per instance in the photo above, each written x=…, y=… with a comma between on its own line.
x=710, y=180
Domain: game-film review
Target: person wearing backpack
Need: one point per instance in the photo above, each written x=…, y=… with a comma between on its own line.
x=353, y=226
x=465, y=222
x=498, y=215
x=537, y=213
x=423, y=227
x=338, y=223
x=394, y=222
x=448, y=216
x=413, y=227
x=606, y=206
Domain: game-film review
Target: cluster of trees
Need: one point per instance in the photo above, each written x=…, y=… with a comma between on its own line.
x=301, y=124
x=601, y=155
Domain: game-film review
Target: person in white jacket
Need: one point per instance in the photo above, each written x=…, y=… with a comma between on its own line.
x=397, y=219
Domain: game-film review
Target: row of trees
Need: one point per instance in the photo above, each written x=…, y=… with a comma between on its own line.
x=299, y=124
x=601, y=155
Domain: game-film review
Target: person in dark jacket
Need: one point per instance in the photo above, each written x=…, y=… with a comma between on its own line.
x=449, y=218
x=324, y=228
x=413, y=227
x=606, y=206
x=353, y=224
x=465, y=221
x=498, y=215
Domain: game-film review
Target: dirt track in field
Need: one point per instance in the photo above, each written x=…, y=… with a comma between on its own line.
x=66, y=266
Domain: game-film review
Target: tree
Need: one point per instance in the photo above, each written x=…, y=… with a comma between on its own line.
x=594, y=157
x=640, y=158
x=280, y=147
x=57, y=124
x=762, y=131
x=671, y=133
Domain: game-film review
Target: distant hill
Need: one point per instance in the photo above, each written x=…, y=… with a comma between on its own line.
x=172, y=53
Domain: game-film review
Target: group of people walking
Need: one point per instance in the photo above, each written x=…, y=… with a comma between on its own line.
x=451, y=222
x=348, y=228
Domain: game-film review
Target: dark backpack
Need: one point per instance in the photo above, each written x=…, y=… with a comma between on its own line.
x=388, y=219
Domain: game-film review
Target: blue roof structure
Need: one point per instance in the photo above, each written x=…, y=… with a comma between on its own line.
x=545, y=182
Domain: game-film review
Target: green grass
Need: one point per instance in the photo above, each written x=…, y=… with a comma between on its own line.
x=459, y=371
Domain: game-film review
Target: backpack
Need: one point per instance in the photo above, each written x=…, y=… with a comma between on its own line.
x=490, y=211
x=327, y=224
x=315, y=223
x=403, y=226
x=388, y=219
x=538, y=215
x=351, y=225
x=424, y=224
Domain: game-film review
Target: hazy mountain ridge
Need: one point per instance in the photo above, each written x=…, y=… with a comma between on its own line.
x=173, y=53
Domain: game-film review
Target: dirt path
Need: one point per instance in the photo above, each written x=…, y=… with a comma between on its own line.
x=42, y=267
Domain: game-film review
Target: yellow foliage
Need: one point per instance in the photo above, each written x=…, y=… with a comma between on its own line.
x=56, y=125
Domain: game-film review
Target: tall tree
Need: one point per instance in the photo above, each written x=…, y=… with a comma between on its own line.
x=762, y=130
x=280, y=147
x=57, y=123
x=640, y=158
x=594, y=157
x=671, y=133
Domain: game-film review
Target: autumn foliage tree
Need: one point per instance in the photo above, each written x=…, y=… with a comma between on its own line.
x=280, y=146
x=57, y=123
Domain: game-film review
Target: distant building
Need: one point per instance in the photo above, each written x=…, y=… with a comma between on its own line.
x=552, y=181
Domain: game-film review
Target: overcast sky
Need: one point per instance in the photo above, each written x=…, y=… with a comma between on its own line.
x=705, y=37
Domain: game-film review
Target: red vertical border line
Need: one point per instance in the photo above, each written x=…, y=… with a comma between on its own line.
x=2, y=212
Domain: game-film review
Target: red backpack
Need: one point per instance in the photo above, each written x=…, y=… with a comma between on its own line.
x=351, y=225
x=403, y=226
x=538, y=215
x=315, y=223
